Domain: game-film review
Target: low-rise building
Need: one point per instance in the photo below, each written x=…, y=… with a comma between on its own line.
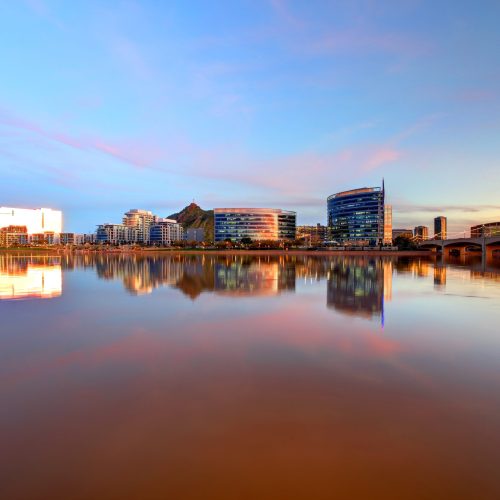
x=405, y=233
x=164, y=232
x=113, y=234
x=46, y=238
x=314, y=235
x=89, y=238
x=485, y=230
x=13, y=235
x=196, y=234
x=71, y=239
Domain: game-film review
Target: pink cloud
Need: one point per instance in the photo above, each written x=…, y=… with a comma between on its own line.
x=134, y=153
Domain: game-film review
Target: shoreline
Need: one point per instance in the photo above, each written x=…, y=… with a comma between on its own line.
x=168, y=251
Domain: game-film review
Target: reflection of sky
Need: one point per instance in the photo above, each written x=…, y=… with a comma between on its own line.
x=259, y=391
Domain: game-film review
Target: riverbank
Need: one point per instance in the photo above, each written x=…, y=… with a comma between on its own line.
x=177, y=251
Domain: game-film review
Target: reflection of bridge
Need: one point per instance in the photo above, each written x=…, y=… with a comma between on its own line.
x=487, y=245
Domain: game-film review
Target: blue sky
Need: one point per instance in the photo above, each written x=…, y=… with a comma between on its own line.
x=107, y=106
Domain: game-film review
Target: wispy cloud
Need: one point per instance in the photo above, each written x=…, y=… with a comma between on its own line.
x=136, y=154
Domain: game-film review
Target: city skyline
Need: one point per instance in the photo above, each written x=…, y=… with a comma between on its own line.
x=276, y=103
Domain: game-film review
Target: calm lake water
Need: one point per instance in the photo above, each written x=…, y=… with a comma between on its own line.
x=238, y=377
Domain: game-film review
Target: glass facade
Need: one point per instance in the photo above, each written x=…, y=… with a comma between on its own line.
x=356, y=216
x=254, y=223
x=440, y=229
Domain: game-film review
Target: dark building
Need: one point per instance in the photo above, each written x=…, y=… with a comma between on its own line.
x=405, y=233
x=357, y=216
x=440, y=229
x=421, y=233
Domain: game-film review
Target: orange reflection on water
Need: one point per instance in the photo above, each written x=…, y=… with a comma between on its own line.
x=38, y=281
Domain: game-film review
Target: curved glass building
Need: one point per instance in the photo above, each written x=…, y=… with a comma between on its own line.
x=254, y=223
x=357, y=216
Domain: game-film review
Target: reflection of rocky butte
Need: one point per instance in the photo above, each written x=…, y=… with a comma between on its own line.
x=30, y=277
x=356, y=285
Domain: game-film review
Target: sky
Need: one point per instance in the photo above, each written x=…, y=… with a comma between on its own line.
x=112, y=105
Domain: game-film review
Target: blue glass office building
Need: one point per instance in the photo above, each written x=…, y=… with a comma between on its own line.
x=357, y=216
x=254, y=223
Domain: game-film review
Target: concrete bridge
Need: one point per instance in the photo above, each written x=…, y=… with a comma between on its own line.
x=486, y=245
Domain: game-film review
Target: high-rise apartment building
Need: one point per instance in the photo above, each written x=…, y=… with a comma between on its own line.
x=421, y=233
x=387, y=225
x=357, y=216
x=139, y=221
x=440, y=229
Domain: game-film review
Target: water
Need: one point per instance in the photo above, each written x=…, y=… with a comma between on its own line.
x=272, y=377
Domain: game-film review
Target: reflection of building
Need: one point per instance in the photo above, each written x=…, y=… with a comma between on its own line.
x=486, y=230
x=387, y=225
x=439, y=275
x=440, y=230
x=314, y=235
x=404, y=233
x=357, y=216
x=26, y=278
x=255, y=224
x=421, y=233
x=254, y=277
x=359, y=285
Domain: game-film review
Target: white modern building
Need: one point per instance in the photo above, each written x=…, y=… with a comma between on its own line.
x=114, y=234
x=36, y=221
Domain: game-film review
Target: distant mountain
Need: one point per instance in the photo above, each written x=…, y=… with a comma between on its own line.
x=194, y=216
